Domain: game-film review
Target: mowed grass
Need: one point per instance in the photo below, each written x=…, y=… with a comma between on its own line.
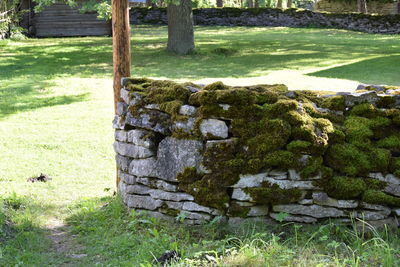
x=56, y=107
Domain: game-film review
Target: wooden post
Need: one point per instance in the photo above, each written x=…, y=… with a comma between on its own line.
x=121, y=45
x=121, y=49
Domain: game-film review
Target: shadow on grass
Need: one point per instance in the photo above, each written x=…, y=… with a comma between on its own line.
x=25, y=243
x=19, y=97
x=380, y=70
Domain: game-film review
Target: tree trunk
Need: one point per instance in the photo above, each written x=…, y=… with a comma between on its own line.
x=121, y=49
x=250, y=3
x=279, y=4
x=289, y=3
x=256, y=3
x=180, y=27
x=362, y=6
x=220, y=3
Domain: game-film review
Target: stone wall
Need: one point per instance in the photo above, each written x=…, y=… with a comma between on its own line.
x=276, y=17
x=340, y=6
x=259, y=152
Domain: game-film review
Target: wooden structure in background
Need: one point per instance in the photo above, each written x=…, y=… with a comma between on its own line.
x=61, y=20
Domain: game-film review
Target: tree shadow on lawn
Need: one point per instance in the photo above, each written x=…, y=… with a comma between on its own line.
x=25, y=243
x=26, y=96
x=380, y=70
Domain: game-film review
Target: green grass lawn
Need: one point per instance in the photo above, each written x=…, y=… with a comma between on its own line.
x=56, y=109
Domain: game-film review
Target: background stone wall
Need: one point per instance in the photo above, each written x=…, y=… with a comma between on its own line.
x=276, y=17
x=341, y=6
x=259, y=152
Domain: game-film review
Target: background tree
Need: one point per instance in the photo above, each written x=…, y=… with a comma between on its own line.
x=180, y=27
x=289, y=3
x=279, y=4
x=9, y=17
x=250, y=4
x=220, y=3
x=362, y=6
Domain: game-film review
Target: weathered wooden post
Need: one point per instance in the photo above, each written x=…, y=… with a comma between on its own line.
x=121, y=47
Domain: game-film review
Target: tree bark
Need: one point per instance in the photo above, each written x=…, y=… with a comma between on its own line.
x=362, y=6
x=279, y=4
x=220, y=3
x=289, y=3
x=250, y=3
x=256, y=3
x=180, y=27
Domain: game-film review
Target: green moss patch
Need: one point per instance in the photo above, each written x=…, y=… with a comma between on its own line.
x=273, y=194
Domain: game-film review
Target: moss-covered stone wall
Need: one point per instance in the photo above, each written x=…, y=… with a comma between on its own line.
x=258, y=151
x=341, y=6
x=273, y=17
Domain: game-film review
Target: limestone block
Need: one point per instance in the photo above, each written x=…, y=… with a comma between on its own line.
x=352, y=99
x=132, y=151
x=159, y=184
x=389, y=178
x=143, y=202
x=239, y=194
x=368, y=215
x=122, y=162
x=173, y=156
x=396, y=212
x=321, y=198
x=306, y=202
x=119, y=122
x=122, y=108
x=258, y=211
x=315, y=211
x=196, y=216
x=192, y=206
x=393, y=189
x=125, y=95
x=186, y=126
x=288, y=184
x=151, y=120
x=137, y=189
x=187, y=110
x=141, y=138
x=214, y=129
x=127, y=178
x=250, y=180
x=170, y=196
x=121, y=135
x=294, y=175
x=369, y=206
x=278, y=174
x=174, y=205
x=293, y=218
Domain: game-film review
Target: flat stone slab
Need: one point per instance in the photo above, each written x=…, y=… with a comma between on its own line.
x=214, y=129
x=141, y=138
x=132, y=151
x=142, y=202
x=151, y=120
x=292, y=218
x=322, y=198
x=173, y=156
x=315, y=211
